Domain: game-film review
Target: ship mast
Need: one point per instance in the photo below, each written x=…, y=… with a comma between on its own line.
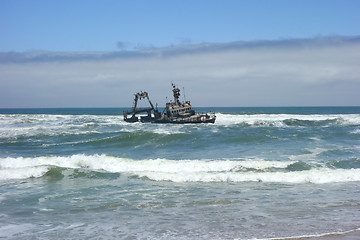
x=176, y=93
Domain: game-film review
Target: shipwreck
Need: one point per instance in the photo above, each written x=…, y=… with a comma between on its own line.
x=176, y=112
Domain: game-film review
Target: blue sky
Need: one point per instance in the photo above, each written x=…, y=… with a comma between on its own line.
x=116, y=25
x=75, y=53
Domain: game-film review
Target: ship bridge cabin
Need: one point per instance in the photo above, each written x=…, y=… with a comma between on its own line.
x=179, y=110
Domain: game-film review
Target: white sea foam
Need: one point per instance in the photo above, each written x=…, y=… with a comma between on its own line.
x=115, y=164
x=22, y=125
x=167, y=131
x=332, y=235
x=231, y=170
x=31, y=125
x=309, y=176
x=277, y=120
x=23, y=172
x=12, y=230
x=356, y=131
x=311, y=155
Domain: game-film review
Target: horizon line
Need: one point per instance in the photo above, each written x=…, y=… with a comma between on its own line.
x=3, y=108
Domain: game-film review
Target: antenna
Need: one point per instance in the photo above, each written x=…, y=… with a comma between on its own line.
x=184, y=94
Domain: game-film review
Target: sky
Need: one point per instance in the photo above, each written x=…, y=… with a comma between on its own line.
x=224, y=53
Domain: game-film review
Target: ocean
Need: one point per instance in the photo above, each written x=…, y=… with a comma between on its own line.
x=257, y=173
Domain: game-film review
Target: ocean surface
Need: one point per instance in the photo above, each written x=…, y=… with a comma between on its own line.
x=257, y=173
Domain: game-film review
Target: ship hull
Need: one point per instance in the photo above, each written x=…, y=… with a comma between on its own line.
x=131, y=120
x=172, y=121
x=184, y=121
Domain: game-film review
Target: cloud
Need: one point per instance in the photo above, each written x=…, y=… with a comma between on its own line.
x=290, y=72
x=122, y=45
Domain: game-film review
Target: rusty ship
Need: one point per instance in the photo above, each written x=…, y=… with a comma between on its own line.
x=175, y=112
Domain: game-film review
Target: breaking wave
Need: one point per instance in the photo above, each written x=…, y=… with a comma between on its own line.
x=282, y=120
x=219, y=170
x=22, y=126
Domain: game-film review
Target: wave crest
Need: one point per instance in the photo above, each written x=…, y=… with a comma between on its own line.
x=220, y=170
